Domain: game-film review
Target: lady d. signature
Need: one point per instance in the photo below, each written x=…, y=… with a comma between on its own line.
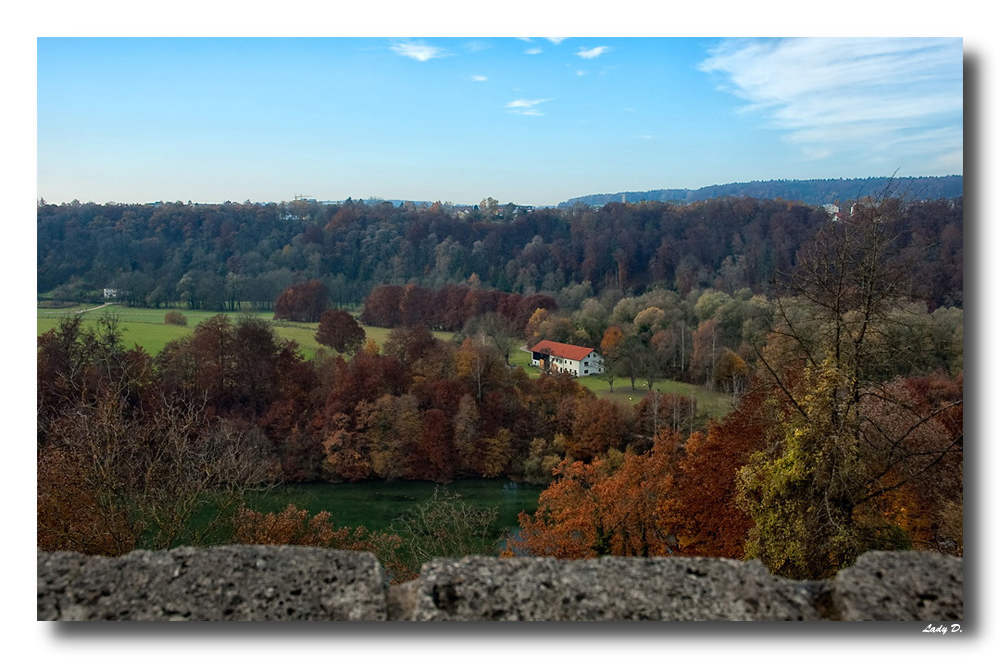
x=931, y=628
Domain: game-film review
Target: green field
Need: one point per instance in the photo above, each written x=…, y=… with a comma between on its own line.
x=145, y=327
x=710, y=404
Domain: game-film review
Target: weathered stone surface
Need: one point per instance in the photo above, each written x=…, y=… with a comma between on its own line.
x=300, y=583
x=221, y=583
x=55, y=573
x=910, y=585
x=479, y=588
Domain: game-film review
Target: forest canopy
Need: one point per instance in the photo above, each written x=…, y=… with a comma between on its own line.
x=221, y=257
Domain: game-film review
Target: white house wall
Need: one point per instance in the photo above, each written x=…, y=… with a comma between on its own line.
x=576, y=368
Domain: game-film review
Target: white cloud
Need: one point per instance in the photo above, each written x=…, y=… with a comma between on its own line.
x=593, y=52
x=420, y=52
x=533, y=51
x=476, y=46
x=526, y=107
x=556, y=40
x=892, y=98
x=581, y=73
x=479, y=78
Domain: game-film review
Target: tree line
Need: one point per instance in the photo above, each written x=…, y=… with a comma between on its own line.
x=222, y=256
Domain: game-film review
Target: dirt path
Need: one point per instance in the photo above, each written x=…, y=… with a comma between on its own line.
x=87, y=310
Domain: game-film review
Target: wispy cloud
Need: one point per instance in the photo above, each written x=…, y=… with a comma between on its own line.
x=888, y=98
x=527, y=107
x=476, y=46
x=418, y=51
x=593, y=52
x=479, y=78
x=556, y=40
x=533, y=51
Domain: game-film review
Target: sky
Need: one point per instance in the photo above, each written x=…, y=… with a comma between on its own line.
x=525, y=120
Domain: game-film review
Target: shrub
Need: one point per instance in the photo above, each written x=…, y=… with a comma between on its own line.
x=175, y=317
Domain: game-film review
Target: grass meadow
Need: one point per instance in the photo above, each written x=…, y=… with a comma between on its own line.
x=710, y=404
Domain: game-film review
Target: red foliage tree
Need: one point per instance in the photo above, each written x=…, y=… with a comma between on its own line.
x=302, y=302
x=339, y=330
x=702, y=508
x=435, y=456
x=382, y=307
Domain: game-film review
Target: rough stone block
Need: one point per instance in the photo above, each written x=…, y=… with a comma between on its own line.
x=208, y=584
x=905, y=585
x=479, y=588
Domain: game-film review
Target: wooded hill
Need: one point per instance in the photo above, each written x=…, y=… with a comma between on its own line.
x=218, y=256
x=814, y=192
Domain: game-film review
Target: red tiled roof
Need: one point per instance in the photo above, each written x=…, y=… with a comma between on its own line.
x=562, y=350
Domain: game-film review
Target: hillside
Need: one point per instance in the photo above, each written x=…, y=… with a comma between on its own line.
x=812, y=192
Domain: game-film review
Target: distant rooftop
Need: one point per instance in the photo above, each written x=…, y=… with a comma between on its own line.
x=562, y=350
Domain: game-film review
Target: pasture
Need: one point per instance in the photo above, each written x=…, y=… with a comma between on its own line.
x=709, y=403
x=145, y=326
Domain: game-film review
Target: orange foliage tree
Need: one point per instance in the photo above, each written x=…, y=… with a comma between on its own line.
x=293, y=526
x=599, y=425
x=612, y=506
x=702, y=508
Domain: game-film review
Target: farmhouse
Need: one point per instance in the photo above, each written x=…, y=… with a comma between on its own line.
x=560, y=357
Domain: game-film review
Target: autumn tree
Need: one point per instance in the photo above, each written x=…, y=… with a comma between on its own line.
x=544, y=456
x=731, y=374
x=598, y=426
x=629, y=358
x=338, y=329
x=532, y=331
x=703, y=506
x=844, y=438
x=706, y=349
x=382, y=306
x=302, y=302
x=416, y=306
x=480, y=365
x=296, y=527
x=612, y=338
x=502, y=332
x=649, y=320
x=498, y=452
x=611, y=506
x=115, y=480
x=391, y=426
x=467, y=448
x=434, y=458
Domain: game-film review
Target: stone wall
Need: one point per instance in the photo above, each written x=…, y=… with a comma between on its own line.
x=299, y=583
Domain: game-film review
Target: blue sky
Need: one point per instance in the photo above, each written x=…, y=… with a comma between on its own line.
x=533, y=121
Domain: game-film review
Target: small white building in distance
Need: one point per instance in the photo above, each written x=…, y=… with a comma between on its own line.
x=578, y=361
